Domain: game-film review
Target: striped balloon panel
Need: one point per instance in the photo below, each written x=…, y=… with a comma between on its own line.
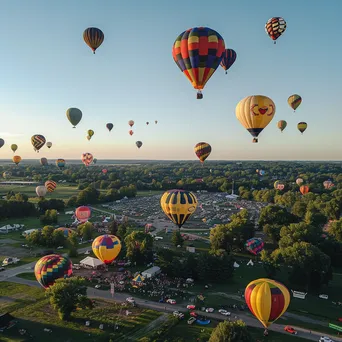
x=202, y=151
x=275, y=27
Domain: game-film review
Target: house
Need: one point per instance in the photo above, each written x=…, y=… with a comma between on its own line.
x=151, y=272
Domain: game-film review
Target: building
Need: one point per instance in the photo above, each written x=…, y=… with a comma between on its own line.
x=151, y=272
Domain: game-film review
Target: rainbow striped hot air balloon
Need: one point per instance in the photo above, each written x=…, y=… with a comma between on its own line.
x=106, y=248
x=52, y=267
x=267, y=299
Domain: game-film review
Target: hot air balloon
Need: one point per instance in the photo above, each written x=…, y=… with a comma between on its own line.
x=139, y=144
x=130, y=132
x=155, y=121
x=229, y=57
x=328, y=184
x=49, y=144
x=198, y=52
x=43, y=161
x=106, y=248
x=74, y=115
x=2, y=142
x=294, y=101
x=38, y=141
x=276, y=184
x=104, y=171
x=131, y=123
x=93, y=37
x=88, y=137
x=257, y=170
x=16, y=160
x=50, y=185
x=304, y=189
x=299, y=181
x=41, y=191
x=280, y=186
x=109, y=126
x=66, y=231
x=202, y=151
x=147, y=123
x=267, y=300
x=261, y=172
x=83, y=214
x=7, y=174
x=87, y=158
x=275, y=27
x=178, y=205
x=255, y=113
x=60, y=163
x=90, y=132
x=52, y=267
x=302, y=127
x=254, y=245
x=282, y=125
x=14, y=147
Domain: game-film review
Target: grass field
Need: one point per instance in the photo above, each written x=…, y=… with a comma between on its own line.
x=34, y=313
x=27, y=276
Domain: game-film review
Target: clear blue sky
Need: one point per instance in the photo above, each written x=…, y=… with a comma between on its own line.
x=46, y=68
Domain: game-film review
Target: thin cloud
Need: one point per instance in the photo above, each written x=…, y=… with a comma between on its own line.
x=9, y=135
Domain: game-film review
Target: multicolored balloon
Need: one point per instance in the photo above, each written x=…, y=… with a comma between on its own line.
x=254, y=245
x=93, y=37
x=87, y=158
x=275, y=27
x=106, y=248
x=60, y=163
x=83, y=214
x=229, y=57
x=202, y=151
x=294, y=101
x=50, y=185
x=14, y=147
x=109, y=126
x=74, y=115
x=282, y=125
x=255, y=113
x=267, y=300
x=178, y=205
x=66, y=231
x=38, y=141
x=198, y=52
x=139, y=144
x=302, y=126
x=51, y=267
x=41, y=191
x=16, y=160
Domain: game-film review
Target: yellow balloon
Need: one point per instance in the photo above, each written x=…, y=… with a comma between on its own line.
x=178, y=205
x=106, y=248
x=255, y=113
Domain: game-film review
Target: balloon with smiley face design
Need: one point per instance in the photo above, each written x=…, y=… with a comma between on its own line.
x=255, y=113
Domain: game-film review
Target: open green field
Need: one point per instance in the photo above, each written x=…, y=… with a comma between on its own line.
x=143, y=193
x=34, y=313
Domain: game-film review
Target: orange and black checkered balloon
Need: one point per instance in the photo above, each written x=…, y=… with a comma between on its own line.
x=50, y=185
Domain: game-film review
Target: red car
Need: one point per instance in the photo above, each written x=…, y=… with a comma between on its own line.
x=339, y=319
x=290, y=330
x=191, y=307
x=193, y=314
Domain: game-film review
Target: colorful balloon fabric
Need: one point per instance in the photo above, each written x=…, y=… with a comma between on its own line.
x=139, y=144
x=328, y=184
x=109, y=126
x=178, y=205
x=104, y=171
x=254, y=245
x=16, y=160
x=2, y=142
x=66, y=231
x=130, y=132
x=50, y=185
x=106, y=248
x=275, y=27
x=93, y=37
x=131, y=123
x=302, y=126
x=83, y=214
x=202, y=150
x=90, y=132
x=261, y=172
x=14, y=147
x=43, y=161
x=198, y=52
x=280, y=186
x=41, y=191
x=60, y=163
x=52, y=267
x=294, y=101
x=267, y=300
x=87, y=158
x=299, y=181
x=74, y=115
x=304, y=189
x=49, y=144
x=38, y=141
x=229, y=57
x=255, y=113
x=282, y=125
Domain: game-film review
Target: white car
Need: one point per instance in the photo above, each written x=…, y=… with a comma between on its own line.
x=209, y=310
x=325, y=339
x=171, y=301
x=224, y=312
x=130, y=300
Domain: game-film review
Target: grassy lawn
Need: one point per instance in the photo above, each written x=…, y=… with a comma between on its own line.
x=27, y=276
x=34, y=313
x=149, y=193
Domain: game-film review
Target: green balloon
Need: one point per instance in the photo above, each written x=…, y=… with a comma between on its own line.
x=74, y=115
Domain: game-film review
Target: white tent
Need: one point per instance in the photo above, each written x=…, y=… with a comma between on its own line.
x=250, y=263
x=91, y=262
x=236, y=265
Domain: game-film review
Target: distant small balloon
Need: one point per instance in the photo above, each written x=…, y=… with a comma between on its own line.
x=2, y=142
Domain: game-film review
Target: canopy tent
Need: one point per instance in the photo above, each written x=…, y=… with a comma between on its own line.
x=91, y=262
x=138, y=281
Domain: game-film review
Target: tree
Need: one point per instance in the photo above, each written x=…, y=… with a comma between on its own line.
x=49, y=217
x=273, y=214
x=66, y=295
x=177, y=238
x=122, y=231
x=272, y=231
x=85, y=230
x=113, y=227
x=231, y=332
x=139, y=247
x=335, y=230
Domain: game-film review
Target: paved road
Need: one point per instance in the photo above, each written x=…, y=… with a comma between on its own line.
x=167, y=308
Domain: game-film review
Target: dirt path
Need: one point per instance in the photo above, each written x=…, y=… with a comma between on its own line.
x=147, y=328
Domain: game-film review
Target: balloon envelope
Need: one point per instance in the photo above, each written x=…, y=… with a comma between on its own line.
x=50, y=185
x=65, y=231
x=2, y=142
x=202, y=151
x=255, y=245
x=109, y=126
x=41, y=191
x=74, y=115
x=93, y=37
x=87, y=158
x=106, y=248
x=43, y=161
x=139, y=144
x=275, y=27
x=16, y=160
x=60, y=163
x=229, y=57
x=294, y=101
x=83, y=214
x=49, y=144
x=14, y=147
x=38, y=141
x=51, y=267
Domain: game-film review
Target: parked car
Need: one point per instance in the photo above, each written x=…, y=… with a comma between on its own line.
x=290, y=330
x=191, y=320
x=224, y=312
x=191, y=307
x=209, y=310
x=171, y=301
x=130, y=300
x=193, y=314
x=325, y=339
